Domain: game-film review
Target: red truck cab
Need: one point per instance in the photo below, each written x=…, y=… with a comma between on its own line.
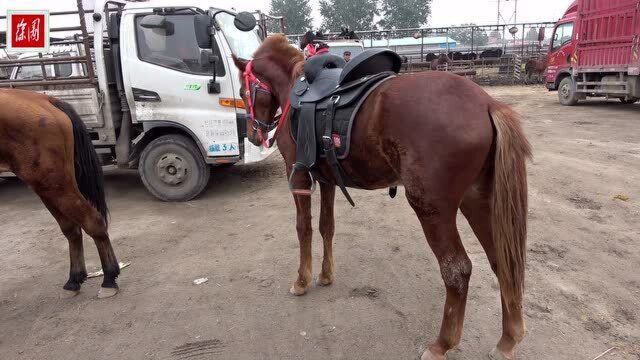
x=595, y=52
x=561, y=49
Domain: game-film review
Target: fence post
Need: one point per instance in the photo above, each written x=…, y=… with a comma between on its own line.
x=421, y=45
x=523, y=37
x=85, y=41
x=472, y=36
x=447, y=40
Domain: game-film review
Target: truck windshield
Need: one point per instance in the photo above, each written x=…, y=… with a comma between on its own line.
x=563, y=35
x=243, y=44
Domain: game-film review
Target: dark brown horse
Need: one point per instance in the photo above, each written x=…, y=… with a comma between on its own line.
x=45, y=144
x=452, y=147
x=440, y=62
x=535, y=68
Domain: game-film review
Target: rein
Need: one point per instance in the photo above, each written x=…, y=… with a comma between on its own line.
x=253, y=85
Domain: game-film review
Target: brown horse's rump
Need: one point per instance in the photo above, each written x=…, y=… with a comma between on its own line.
x=46, y=145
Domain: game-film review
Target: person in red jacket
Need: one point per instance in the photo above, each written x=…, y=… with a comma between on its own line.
x=312, y=45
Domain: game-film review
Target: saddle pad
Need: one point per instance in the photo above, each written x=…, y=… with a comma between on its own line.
x=302, y=125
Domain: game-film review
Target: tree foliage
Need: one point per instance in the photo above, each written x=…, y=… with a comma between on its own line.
x=297, y=14
x=354, y=14
x=466, y=36
x=404, y=14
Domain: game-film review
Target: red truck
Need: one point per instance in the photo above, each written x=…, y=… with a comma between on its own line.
x=596, y=52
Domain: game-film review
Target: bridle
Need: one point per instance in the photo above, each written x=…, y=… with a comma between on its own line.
x=253, y=85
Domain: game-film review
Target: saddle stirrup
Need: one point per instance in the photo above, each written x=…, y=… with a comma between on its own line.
x=303, y=192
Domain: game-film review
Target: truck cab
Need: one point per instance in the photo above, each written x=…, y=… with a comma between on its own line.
x=595, y=52
x=561, y=49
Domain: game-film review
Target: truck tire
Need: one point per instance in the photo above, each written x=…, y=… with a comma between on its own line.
x=173, y=169
x=567, y=92
x=629, y=101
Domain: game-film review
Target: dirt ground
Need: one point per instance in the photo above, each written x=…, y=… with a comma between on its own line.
x=583, y=283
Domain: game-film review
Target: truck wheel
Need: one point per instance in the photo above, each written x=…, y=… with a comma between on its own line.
x=567, y=92
x=172, y=168
x=629, y=101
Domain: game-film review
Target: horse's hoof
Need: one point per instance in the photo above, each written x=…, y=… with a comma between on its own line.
x=104, y=292
x=496, y=354
x=68, y=294
x=323, y=281
x=428, y=355
x=297, y=290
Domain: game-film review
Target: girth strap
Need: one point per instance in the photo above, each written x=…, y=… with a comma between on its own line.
x=330, y=149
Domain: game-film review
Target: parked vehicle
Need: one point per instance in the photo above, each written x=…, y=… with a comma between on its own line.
x=595, y=52
x=152, y=98
x=53, y=70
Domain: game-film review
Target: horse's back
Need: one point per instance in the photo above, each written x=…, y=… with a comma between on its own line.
x=33, y=132
x=430, y=118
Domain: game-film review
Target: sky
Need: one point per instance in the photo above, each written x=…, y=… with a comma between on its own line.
x=444, y=12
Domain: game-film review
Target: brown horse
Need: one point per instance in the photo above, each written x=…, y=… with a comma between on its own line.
x=45, y=144
x=452, y=147
x=440, y=62
x=535, y=67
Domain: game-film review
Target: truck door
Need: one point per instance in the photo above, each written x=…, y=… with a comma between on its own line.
x=166, y=81
x=562, y=49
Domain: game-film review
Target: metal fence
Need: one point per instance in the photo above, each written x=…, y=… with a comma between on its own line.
x=526, y=39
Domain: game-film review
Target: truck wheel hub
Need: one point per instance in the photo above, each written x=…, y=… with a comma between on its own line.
x=171, y=169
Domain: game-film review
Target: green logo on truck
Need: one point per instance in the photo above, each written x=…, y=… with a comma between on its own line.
x=192, y=87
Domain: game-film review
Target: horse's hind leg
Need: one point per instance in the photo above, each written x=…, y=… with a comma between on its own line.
x=77, y=209
x=476, y=208
x=438, y=220
x=73, y=233
x=327, y=229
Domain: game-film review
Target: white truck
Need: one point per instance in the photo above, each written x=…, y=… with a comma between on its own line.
x=151, y=96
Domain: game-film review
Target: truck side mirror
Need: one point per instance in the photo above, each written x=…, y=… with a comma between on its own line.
x=202, y=24
x=245, y=21
x=207, y=57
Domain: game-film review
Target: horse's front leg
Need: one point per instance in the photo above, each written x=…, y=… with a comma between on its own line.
x=327, y=229
x=303, y=226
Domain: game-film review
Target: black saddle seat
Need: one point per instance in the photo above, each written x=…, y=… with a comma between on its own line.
x=370, y=62
x=327, y=74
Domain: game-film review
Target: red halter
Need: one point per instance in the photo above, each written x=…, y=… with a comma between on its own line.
x=252, y=85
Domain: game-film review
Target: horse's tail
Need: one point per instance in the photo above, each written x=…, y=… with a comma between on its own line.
x=88, y=168
x=509, y=201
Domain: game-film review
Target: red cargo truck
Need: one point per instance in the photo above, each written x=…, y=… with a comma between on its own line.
x=596, y=52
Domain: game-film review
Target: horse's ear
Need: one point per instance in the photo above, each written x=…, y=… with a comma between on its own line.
x=241, y=64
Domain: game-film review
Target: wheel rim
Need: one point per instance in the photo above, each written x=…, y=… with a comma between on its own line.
x=565, y=91
x=172, y=169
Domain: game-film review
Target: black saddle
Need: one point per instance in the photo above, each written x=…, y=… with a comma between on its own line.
x=325, y=102
x=328, y=74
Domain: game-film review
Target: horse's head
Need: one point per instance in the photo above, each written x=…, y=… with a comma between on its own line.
x=265, y=84
x=307, y=39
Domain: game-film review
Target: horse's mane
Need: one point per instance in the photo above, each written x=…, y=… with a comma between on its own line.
x=277, y=49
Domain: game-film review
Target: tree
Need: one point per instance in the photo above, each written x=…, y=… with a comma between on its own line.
x=354, y=14
x=467, y=36
x=405, y=14
x=297, y=14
